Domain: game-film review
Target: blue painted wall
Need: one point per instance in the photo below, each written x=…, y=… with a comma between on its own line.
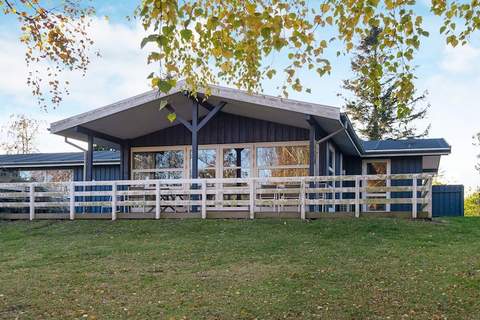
x=100, y=173
x=448, y=201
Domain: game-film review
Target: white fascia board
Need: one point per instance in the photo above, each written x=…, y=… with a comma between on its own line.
x=386, y=155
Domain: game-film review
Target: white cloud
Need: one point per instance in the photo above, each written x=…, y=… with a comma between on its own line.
x=463, y=59
x=119, y=73
x=455, y=112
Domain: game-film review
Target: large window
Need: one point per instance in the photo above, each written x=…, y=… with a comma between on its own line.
x=168, y=164
x=45, y=175
x=227, y=161
x=283, y=161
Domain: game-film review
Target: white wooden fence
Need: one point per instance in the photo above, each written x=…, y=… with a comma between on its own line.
x=303, y=197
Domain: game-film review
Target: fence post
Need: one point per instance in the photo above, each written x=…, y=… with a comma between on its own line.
x=32, y=201
x=204, y=199
x=114, y=201
x=414, y=198
x=252, y=198
x=157, y=200
x=72, y=201
x=357, y=197
x=302, y=199
x=429, y=197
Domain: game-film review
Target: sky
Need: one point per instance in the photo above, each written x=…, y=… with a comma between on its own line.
x=450, y=75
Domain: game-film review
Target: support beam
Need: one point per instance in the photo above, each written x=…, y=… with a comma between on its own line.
x=179, y=118
x=312, y=158
x=99, y=135
x=125, y=161
x=211, y=114
x=194, y=140
x=89, y=159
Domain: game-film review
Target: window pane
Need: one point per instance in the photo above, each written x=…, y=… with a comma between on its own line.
x=206, y=173
x=331, y=157
x=230, y=157
x=282, y=155
x=143, y=160
x=169, y=159
x=143, y=176
x=234, y=173
x=376, y=168
x=206, y=158
x=168, y=175
x=266, y=173
x=59, y=175
x=30, y=176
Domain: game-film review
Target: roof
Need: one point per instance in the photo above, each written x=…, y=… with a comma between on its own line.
x=57, y=159
x=406, y=146
x=143, y=110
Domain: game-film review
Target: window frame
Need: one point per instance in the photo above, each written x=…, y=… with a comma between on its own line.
x=387, y=195
x=253, y=169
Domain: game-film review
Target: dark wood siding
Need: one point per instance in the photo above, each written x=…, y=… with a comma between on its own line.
x=448, y=200
x=223, y=129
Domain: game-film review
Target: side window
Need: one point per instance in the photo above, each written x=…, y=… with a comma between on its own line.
x=331, y=160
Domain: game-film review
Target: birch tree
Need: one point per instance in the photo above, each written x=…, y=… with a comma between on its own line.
x=20, y=135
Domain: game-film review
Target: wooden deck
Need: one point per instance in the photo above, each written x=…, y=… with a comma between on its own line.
x=406, y=195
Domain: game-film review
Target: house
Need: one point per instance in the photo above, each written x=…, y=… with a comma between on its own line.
x=235, y=135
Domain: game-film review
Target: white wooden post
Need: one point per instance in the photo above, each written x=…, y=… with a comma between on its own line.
x=302, y=199
x=204, y=199
x=252, y=198
x=157, y=200
x=72, y=201
x=414, y=198
x=357, y=197
x=429, y=197
x=32, y=201
x=114, y=201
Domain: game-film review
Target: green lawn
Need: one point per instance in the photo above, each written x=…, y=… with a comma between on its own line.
x=325, y=269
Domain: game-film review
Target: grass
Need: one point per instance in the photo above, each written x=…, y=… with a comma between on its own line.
x=325, y=269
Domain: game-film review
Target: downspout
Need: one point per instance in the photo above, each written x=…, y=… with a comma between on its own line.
x=84, y=155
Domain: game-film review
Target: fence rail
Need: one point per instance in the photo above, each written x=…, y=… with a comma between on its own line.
x=356, y=195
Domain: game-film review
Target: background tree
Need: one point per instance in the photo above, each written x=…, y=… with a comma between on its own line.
x=472, y=204
x=377, y=114
x=56, y=38
x=476, y=142
x=20, y=135
x=207, y=41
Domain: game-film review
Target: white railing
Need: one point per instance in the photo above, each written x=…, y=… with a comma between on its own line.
x=304, y=197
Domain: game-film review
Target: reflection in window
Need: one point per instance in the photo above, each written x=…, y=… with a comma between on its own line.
x=267, y=173
x=169, y=159
x=377, y=168
x=374, y=168
x=49, y=175
x=283, y=161
x=282, y=155
x=158, y=165
x=207, y=159
x=331, y=161
x=236, y=163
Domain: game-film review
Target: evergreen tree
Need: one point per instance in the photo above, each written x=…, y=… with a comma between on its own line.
x=374, y=108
